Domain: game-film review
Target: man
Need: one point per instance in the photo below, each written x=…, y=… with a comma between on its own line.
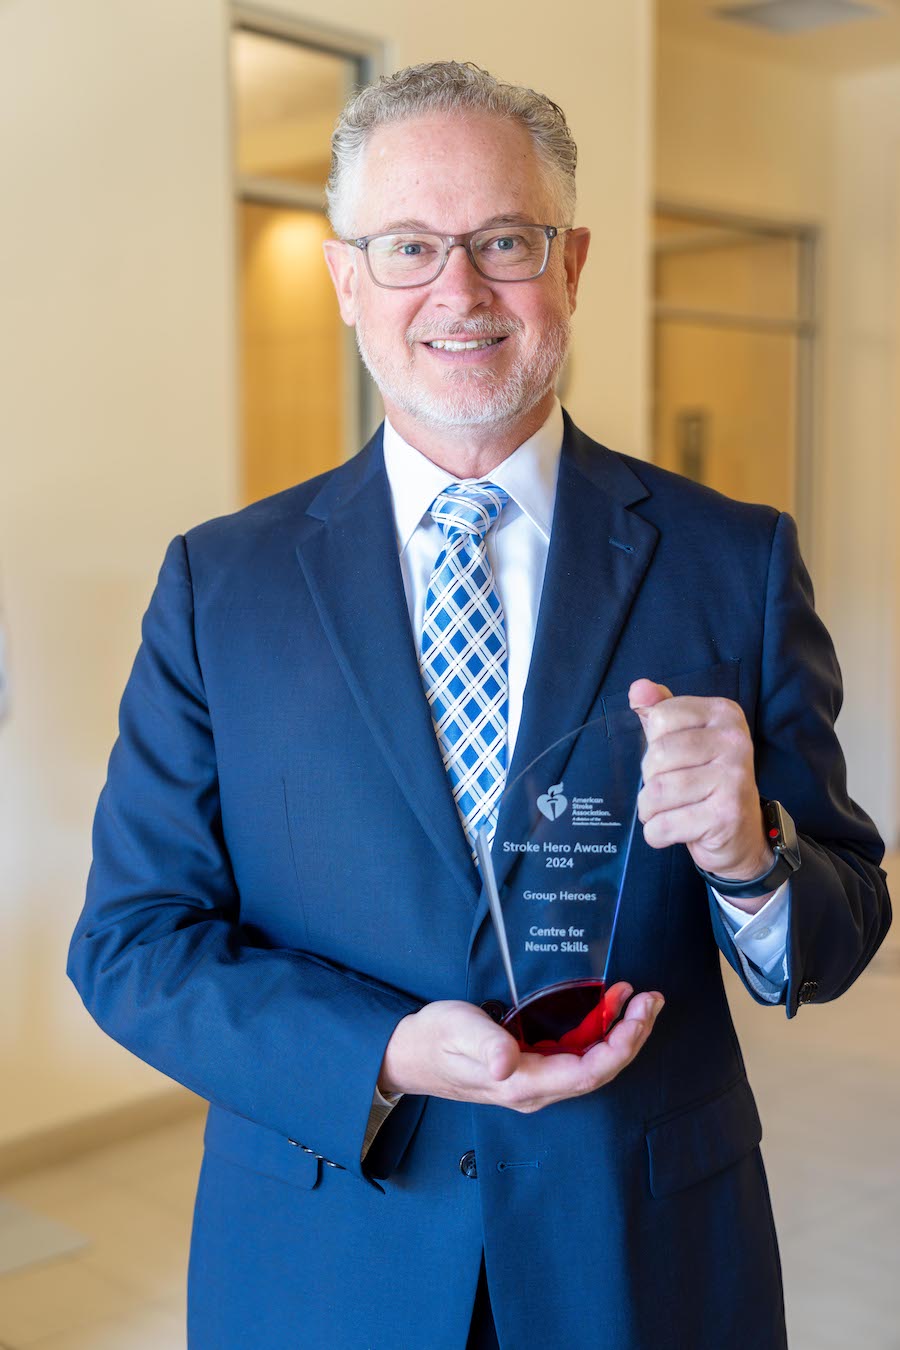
x=285, y=912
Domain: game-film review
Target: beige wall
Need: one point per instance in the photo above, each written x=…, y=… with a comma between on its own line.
x=117, y=337
x=118, y=432
x=860, y=486
x=734, y=134
x=737, y=134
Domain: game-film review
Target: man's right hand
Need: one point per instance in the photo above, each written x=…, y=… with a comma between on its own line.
x=453, y=1049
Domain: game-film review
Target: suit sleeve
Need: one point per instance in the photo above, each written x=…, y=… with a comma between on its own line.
x=839, y=905
x=159, y=954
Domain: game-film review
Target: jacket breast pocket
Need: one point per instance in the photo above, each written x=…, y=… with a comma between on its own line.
x=699, y=1141
x=260, y=1149
x=722, y=680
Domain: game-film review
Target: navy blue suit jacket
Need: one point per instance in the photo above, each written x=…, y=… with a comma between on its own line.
x=280, y=875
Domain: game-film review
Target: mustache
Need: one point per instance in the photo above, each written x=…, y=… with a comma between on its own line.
x=479, y=326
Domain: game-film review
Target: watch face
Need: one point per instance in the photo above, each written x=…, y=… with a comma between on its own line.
x=781, y=833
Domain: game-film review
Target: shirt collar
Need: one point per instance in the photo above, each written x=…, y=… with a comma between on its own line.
x=529, y=475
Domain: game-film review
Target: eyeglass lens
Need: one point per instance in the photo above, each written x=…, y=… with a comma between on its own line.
x=412, y=259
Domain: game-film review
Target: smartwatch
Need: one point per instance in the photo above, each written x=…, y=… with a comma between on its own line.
x=782, y=836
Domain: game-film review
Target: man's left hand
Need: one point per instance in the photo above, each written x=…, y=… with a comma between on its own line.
x=699, y=783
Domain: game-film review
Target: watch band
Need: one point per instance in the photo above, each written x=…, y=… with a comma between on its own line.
x=782, y=835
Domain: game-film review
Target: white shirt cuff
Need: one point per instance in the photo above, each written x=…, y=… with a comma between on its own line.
x=761, y=939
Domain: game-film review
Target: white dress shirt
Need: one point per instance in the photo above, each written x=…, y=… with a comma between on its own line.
x=518, y=545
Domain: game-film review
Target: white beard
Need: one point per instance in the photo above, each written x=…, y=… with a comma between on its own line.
x=475, y=395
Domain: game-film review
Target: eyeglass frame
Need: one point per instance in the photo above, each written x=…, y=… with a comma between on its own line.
x=450, y=241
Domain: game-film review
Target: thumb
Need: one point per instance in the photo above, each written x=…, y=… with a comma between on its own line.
x=499, y=1052
x=643, y=695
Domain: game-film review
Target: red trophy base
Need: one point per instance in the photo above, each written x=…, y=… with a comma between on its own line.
x=562, y=1019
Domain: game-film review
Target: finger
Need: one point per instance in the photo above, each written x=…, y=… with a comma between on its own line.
x=645, y=694
x=674, y=789
x=498, y=1050
x=477, y=1038
x=690, y=748
x=617, y=995
x=539, y=1080
x=644, y=1007
x=501, y=1058
x=687, y=711
x=605, y=1061
x=687, y=825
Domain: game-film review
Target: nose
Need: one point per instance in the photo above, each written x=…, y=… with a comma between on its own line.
x=460, y=287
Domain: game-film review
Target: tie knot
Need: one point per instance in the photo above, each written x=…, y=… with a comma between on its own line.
x=468, y=508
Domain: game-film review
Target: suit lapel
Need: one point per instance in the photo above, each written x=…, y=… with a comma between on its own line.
x=349, y=557
x=599, y=553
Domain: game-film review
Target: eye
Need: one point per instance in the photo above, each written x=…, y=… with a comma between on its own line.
x=406, y=246
x=504, y=243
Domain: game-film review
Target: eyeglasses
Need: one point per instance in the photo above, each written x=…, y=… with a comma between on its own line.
x=414, y=258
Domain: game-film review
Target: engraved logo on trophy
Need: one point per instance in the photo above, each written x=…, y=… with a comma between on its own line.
x=552, y=803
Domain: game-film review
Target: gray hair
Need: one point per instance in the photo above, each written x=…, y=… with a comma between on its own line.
x=447, y=87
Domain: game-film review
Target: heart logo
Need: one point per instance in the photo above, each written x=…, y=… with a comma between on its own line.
x=552, y=803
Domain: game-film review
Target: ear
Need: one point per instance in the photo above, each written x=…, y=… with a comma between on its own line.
x=342, y=262
x=575, y=255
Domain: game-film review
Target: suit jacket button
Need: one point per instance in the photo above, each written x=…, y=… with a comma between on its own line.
x=494, y=1009
x=808, y=991
x=467, y=1165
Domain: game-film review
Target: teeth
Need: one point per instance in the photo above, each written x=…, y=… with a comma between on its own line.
x=446, y=345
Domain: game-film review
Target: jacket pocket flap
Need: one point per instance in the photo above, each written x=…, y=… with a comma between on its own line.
x=720, y=681
x=703, y=1140
x=259, y=1148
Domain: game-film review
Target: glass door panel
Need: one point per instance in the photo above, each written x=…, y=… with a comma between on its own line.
x=304, y=400
x=733, y=332
x=287, y=99
x=291, y=351
x=725, y=409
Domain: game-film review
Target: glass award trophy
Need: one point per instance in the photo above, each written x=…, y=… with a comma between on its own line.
x=560, y=853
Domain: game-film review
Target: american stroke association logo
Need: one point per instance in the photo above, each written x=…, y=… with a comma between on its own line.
x=552, y=803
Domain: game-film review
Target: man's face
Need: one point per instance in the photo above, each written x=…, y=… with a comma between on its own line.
x=451, y=175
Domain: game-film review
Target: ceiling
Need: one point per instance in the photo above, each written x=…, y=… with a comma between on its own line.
x=863, y=44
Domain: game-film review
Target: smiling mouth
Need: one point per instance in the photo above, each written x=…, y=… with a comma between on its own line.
x=469, y=345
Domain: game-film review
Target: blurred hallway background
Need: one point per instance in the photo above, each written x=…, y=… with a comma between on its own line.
x=170, y=349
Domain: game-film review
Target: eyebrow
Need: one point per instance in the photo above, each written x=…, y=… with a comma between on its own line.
x=514, y=218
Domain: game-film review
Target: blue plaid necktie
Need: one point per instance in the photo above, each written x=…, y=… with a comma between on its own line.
x=463, y=656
